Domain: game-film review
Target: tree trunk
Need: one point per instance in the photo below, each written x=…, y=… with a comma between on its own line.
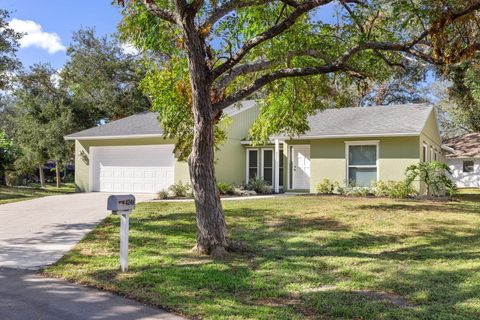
x=41, y=176
x=212, y=229
x=58, y=177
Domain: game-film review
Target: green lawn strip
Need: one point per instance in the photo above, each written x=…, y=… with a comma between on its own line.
x=14, y=194
x=310, y=257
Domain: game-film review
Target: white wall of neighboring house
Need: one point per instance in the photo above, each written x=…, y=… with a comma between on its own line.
x=464, y=179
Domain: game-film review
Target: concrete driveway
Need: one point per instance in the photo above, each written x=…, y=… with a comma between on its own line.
x=38, y=232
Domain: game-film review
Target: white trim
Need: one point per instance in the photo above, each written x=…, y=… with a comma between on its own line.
x=262, y=164
x=424, y=152
x=362, y=143
x=357, y=135
x=447, y=148
x=243, y=142
x=90, y=167
x=133, y=136
x=276, y=175
x=247, y=177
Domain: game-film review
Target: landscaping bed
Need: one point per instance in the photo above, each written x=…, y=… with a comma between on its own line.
x=309, y=257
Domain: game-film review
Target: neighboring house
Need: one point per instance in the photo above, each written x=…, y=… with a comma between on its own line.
x=360, y=145
x=463, y=158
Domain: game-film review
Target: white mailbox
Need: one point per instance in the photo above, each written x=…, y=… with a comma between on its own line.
x=121, y=203
x=123, y=206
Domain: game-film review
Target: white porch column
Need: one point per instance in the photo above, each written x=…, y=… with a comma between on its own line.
x=276, y=178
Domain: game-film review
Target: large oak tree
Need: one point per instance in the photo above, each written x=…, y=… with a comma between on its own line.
x=287, y=54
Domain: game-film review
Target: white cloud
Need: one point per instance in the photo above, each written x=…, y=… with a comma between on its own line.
x=129, y=48
x=34, y=36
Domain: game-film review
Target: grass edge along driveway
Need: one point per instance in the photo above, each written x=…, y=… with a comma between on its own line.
x=15, y=194
x=310, y=257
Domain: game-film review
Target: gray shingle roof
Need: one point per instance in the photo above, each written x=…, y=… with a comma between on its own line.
x=406, y=119
x=145, y=123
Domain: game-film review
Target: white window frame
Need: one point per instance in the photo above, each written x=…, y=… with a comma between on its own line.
x=425, y=152
x=262, y=164
x=431, y=154
x=247, y=169
x=362, y=143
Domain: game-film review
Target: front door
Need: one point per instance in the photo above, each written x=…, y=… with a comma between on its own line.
x=301, y=167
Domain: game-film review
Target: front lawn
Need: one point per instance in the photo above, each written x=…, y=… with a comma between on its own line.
x=311, y=258
x=14, y=194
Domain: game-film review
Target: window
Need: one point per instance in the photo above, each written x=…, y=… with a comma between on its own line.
x=362, y=164
x=436, y=155
x=468, y=166
x=267, y=169
x=261, y=164
x=252, y=162
x=424, y=155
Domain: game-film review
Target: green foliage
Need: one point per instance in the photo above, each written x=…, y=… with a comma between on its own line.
x=393, y=189
x=326, y=186
x=8, y=154
x=8, y=49
x=103, y=80
x=180, y=190
x=358, y=191
x=44, y=117
x=258, y=185
x=225, y=188
x=162, y=195
x=433, y=175
x=169, y=91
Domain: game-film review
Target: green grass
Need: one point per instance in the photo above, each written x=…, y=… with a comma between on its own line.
x=14, y=194
x=311, y=258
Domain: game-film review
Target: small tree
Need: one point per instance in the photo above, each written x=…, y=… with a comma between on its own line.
x=8, y=155
x=43, y=119
x=433, y=174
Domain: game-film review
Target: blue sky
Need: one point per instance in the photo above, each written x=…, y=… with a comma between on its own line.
x=60, y=17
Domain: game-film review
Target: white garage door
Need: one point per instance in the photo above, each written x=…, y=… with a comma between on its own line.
x=142, y=169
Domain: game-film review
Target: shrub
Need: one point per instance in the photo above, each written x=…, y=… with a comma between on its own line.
x=433, y=174
x=381, y=188
x=162, y=195
x=225, y=188
x=180, y=190
x=258, y=185
x=401, y=190
x=393, y=189
x=326, y=186
x=358, y=191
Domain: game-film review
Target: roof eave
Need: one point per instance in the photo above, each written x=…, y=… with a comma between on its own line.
x=333, y=136
x=131, y=136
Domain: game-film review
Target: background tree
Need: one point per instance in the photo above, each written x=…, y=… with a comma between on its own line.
x=8, y=49
x=44, y=117
x=282, y=52
x=8, y=155
x=103, y=79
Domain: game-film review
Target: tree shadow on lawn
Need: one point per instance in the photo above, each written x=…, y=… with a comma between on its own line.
x=284, y=253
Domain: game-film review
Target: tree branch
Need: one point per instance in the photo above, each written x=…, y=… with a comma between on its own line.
x=164, y=14
x=268, y=34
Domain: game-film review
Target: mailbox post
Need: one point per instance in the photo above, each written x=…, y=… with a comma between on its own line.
x=123, y=206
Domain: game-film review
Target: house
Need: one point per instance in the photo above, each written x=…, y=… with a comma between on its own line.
x=463, y=158
x=360, y=145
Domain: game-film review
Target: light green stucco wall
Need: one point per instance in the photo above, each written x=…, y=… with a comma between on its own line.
x=328, y=158
x=231, y=160
x=229, y=167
